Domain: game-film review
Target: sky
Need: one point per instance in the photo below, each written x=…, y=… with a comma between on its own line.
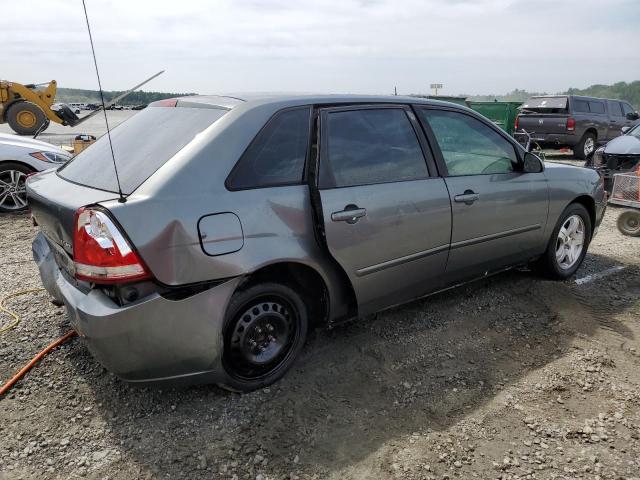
x=325, y=46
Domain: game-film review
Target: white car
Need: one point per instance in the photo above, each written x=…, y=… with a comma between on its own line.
x=20, y=157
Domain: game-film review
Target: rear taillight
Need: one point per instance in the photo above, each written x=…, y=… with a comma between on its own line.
x=571, y=124
x=517, y=124
x=101, y=254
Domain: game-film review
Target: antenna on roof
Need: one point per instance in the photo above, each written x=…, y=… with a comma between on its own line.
x=121, y=198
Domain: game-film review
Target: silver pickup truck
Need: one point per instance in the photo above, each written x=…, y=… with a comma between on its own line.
x=580, y=123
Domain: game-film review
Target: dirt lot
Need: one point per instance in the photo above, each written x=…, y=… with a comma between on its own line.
x=512, y=377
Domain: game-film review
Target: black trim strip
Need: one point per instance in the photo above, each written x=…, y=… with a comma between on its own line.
x=399, y=261
x=494, y=236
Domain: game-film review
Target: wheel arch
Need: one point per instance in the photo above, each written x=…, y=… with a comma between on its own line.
x=591, y=130
x=589, y=203
x=19, y=162
x=311, y=284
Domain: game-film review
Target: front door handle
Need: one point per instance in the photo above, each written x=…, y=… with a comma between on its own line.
x=468, y=197
x=350, y=214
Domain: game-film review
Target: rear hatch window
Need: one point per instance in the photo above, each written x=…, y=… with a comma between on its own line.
x=545, y=105
x=141, y=145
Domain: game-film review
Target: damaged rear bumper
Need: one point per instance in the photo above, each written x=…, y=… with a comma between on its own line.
x=150, y=340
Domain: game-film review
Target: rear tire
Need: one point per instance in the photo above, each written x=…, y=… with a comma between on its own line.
x=25, y=118
x=265, y=329
x=629, y=223
x=585, y=147
x=562, y=258
x=13, y=194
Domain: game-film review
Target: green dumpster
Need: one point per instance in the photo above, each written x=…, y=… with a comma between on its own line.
x=502, y=114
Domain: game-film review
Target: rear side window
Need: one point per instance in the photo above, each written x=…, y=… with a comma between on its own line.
x=596, y=107
x=615, y=109
x=141, y=145
x=370, y=146
x=581, y=106
x=277, y=154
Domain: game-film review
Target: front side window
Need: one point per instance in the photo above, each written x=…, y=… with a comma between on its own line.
x=469, y=147
x=277, y=154
x=627, y=108
x=370, y=146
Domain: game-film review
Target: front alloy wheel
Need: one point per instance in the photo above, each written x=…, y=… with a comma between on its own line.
x=570, y=242
x=13, y=191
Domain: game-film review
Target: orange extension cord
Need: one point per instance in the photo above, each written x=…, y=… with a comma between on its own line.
x=7, y=386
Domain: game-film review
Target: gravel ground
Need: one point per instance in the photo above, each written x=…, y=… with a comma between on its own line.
x=511, y=377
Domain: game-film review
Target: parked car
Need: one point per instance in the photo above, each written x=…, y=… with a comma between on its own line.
x=620, y=155
x=19, y=157
x=242, y=223
x=580, y=123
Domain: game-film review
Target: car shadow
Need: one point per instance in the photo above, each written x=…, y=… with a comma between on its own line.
x=419, y=367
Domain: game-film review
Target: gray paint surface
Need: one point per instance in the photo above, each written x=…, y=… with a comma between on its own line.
x=413, y=240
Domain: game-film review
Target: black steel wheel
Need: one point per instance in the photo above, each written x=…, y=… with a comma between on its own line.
x=629, y=223
x=265, y=329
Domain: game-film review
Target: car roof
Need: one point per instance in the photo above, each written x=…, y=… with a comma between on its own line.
x=234, y=100
x=580, y=97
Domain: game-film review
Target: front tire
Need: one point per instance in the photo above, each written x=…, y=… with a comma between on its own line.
x=629, y=223
x=13, y=191
x=25, y=118
x=585, y=147
x=265, y=329
x=568, y=244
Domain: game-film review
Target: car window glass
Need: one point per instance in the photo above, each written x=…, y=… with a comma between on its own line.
x=371, y=146
x=615, y=109
x=581, y=106
x=596, y=107
x=470, y=147
x=627, y=108
x=277, y=154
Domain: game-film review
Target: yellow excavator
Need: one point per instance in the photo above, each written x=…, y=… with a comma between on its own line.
x=29, y=109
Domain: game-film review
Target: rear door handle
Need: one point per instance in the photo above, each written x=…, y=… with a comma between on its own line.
x=350, y=214
x=468, y=197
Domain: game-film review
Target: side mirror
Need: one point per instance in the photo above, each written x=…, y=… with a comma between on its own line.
x=532, y=164
x=633, y=116
x=624, y=130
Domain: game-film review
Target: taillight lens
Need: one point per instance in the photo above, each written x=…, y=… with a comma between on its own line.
x=517, y=124
x=101, y=254
x=571, y=124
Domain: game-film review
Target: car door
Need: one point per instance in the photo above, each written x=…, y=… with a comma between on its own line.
x=387, y=220
x=600, y=118
x=616, y=118
x=499, y=212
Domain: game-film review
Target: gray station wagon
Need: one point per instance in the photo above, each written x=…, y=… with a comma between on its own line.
x=243, y=222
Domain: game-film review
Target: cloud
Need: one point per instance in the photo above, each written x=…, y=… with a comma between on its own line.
x=367, y=46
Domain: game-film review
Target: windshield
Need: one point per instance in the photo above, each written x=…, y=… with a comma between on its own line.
x=635, y=131
x=141, y=145
x=546, y=104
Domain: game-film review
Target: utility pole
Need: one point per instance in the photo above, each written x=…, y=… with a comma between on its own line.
x=395, y=91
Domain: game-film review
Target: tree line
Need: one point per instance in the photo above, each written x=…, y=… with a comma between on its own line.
x=139, y=97
x=620, y=90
